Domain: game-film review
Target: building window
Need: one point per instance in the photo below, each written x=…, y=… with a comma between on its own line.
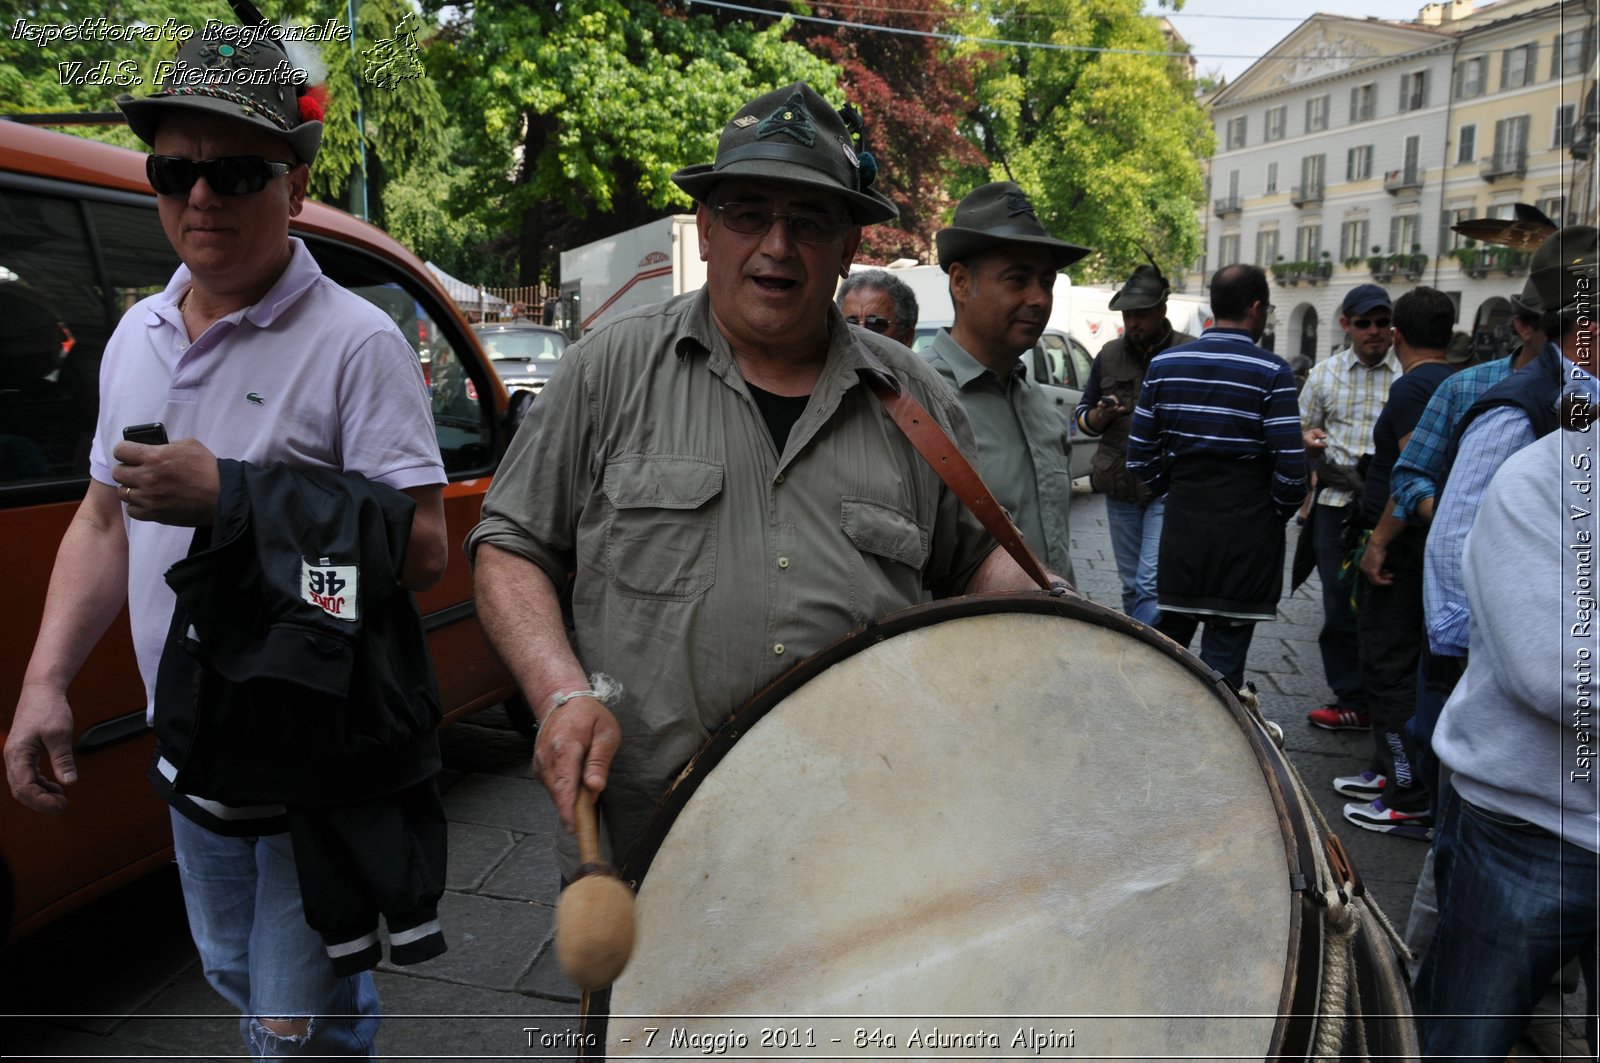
x=1316, y=114
x=1555, y=208
x=1411, y=168
x=1227, y=250
x=1266, y=248
x=1402, y=233
x=1353, y=240
x=1467, y=146
x=1277, y=122
x=1236, y=129
x=1361, y=102
x=1456, y=217
x=1573, y=53
x=1414, y=91
x=1516, y=66
x=1307, y=243
x=1503, y=211
x=1469, y=77
x=1566, y=116
x=1510, y=143
x=1358, y=163
x=1272, y=177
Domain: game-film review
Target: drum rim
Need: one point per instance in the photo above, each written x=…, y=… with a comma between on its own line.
x=1298, y=997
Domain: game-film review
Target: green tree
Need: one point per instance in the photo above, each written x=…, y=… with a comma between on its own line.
x=582, y=110
x=1107, y=143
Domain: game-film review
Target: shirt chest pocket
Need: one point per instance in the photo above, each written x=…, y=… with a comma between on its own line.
x=662, y=538
x=877, y=529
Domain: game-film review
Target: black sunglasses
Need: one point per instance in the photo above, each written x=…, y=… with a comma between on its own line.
x=234, y=175
x=806, y=226
x=1361, y=324
x=872, y=322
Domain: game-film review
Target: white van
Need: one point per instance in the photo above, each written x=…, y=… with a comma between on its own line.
x=1094, y=322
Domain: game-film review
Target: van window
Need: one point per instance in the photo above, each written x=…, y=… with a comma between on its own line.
x=70, y=267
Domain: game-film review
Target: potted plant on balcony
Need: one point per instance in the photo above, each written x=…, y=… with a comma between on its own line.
x=1474, y=260
x=1379, y=265
x=1416, y=263
x=1511, y=261
x=1323, y=269
x=1280, y=271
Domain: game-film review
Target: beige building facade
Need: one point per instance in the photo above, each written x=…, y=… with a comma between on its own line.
x=1346, y=154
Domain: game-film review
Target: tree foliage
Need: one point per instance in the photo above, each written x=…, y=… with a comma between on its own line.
x=583, y=109
x=914, y=92
x=1108, y=144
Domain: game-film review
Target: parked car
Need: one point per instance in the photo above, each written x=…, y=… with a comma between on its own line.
x=80, y=243
x=522, y=353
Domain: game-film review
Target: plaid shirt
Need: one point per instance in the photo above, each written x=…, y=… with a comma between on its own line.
x=1416, y=475
x=1343, y=397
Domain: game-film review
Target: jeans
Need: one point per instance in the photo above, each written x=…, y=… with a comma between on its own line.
x=1515, y=903
x=1337, y=640
x=1224, y=645
x=1136, y=544
x=1390, y=626
x=243, y=900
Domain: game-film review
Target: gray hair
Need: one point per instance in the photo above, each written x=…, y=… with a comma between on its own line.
x=898, y=291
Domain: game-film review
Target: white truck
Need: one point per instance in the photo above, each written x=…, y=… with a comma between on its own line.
x=643, y=265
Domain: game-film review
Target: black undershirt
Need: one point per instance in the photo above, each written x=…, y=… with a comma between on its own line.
x=781, y=412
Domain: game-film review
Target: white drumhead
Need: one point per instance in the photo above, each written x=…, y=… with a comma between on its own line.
x=1031, y=821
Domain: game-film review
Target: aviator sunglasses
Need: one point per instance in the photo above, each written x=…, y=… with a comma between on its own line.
x=1361, y=324
x=233, y=175
x=806, y=226
x=872, y=322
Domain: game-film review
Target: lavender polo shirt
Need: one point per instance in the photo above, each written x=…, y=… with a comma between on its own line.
x=312, y=375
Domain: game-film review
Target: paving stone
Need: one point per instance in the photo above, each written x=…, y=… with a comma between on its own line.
x=492, y=942
x=519, y=805
x=528, y=873
x=475, y=851
x=474, y=1023
x=546, y=980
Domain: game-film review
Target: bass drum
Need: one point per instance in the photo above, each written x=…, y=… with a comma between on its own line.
x=1001, y=826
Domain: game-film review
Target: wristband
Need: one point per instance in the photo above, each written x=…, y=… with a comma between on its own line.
x=603, y=688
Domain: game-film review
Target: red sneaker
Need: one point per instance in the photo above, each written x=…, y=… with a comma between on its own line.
x=1338, y=718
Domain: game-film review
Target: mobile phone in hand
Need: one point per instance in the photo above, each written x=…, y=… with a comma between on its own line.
x=153, y=434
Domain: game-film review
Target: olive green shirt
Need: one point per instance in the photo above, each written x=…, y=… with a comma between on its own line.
x=695, y=561
x=1024, y=449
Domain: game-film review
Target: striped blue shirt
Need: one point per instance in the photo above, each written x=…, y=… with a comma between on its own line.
x=1421, y=466
x=1220, y=397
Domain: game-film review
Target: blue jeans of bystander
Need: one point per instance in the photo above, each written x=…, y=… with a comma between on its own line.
x=243, y=900
x=1515, y=903
x=1136, y=544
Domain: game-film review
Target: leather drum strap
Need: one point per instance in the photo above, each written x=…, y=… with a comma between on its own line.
x=939, y=451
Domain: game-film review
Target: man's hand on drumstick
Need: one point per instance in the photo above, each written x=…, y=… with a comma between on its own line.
x=575, y=742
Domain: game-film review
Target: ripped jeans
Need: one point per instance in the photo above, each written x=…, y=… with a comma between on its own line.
x=243, y=900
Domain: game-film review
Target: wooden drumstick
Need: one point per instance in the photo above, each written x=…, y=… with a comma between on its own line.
x=594, y=915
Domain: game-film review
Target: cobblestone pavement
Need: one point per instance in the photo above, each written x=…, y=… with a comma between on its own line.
x=120, y=978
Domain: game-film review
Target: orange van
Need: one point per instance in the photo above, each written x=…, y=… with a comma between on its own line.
x=80, y=243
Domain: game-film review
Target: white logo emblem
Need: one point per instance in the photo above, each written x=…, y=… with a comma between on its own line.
x=332, y=588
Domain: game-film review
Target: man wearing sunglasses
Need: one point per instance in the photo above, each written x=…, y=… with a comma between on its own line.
x=1339, y=407
x=880, y=302
x=249, y=354
x=1002, y=265
x=714, y=491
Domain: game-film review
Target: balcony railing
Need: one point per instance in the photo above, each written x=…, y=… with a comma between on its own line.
x=1397, y=181
x=1504, y=164
x=1225, y=207
x=1306, y=195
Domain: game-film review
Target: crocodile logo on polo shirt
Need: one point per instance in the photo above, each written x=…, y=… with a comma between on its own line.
x=255, y=399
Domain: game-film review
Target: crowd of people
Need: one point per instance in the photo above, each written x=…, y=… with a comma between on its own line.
x=713, y=492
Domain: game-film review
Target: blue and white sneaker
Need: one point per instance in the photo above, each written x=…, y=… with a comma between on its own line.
x=1366, y=786
x=1376, y=816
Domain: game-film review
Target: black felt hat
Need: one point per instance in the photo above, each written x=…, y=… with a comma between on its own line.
x=1145, y=290
x=995, y=214
x=1564, y=267
x=792, y=135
